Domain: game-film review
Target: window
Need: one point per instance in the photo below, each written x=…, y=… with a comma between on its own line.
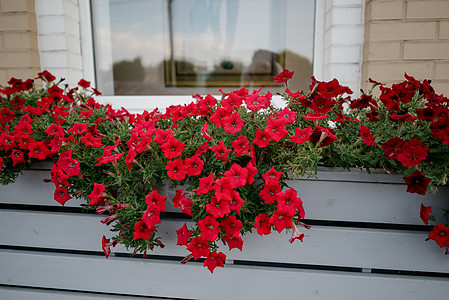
x=185, y=47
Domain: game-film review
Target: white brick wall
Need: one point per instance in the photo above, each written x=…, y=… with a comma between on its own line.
x=59, y=40
x=340, y=53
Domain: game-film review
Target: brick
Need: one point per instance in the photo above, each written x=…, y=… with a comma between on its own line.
x=441, y=86
x=429, y=50
x=23, y=73
x=18, y=21
x=442, y=70
x=19, y=59
x=346, y=15
x=389, y=71
x=444, y=30
x=17, y=5
x=385, y=10
x=427, y=9
x=20, y=40
x=383, y=51
x=50, y=7
x=391, y=30
x=3, y=77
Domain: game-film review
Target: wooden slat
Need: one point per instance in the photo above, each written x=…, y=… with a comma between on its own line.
x=171, y=279
x=329, y=246
x=20, y=293
x=323, y=200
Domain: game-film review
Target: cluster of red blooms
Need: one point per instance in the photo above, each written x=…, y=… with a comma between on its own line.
x=240, y=152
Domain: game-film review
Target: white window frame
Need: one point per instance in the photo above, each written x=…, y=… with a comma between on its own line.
x=325, y=66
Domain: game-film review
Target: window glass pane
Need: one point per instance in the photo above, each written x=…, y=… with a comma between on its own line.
x=179, y=47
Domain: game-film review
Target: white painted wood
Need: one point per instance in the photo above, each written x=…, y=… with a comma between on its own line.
x=19, y=293
x=331, y=246
x=171, y=279
x=340, y=196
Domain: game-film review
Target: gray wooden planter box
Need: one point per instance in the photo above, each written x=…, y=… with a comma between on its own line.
x=367, y=242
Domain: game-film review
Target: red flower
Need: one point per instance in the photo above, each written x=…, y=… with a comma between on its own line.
x=417, y=183
x=107, y=159
x=393, y=147
x=209, y=228
x=214, y=260
x=172, y=148
x=281, y=219
x=155, y=199
x=262, y=138
x=54, y=129
x=204, y=133
x=6, y=115
x=84, y=83
x=366, y=135
x=322, y=136
x=233, y=101
x=221, y=151
x=231, y=225
x=268, y=193
x=90, y=141
x=183, y=235
x=219, y=116
x=276, y=129
x=414, y=153
x=162, y=136
x=233, y=242
x=440, y=234
x=240, y=145
x=424, y=213
x=288, y=201
x=141, y=231
x=206, y=184
x=252, y=171
x=237, y=175
x=301, y=135
x=186, y=205
x=38, y=150
x=70, y=166
x=45, y=75
x=78, y=129
x=297, y=235
x=284, y=76
x=236, y=202
x=198, y=247
x=17, y=157
x=194, y=165
x=440, y=129
x=218, y=207
x=62, y=195
x=233, y=123
x=287, y=115
x=272, y=177
x=151, y=216
x=130, y=158
x=256, y=102
x=176, y=169
x=262, y=224
x=106, y=246
x=97, y=196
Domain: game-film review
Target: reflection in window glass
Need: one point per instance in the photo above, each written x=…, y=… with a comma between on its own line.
x=173, y=47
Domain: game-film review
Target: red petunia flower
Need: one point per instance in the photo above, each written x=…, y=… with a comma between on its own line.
x=84, y=83
x=440, y=234
x=262, y=138
x=219, y=116
x=109, y=159
x=288, y=201
x=151, y=216
x=287, y=115
x=62, y=195
x=218, y=207
x=141, y=231
x=281, y=220
x=301, y=135
x=276, y=129
x=233, y=242
x=268, y=193
x=262, y=224
x=176, y=169
x=209, y=228
x=237, y=175
x=194, y=165
x=6, y=115
x=97, y=196
x=186, y=204
x=221, y=151
x=284, y=76
x=231, y=225
x=322, y=136
x=90, y=141
x=172, y=148
x=240, y=145
x=38, y=150
x=106, y=246
x=198, y=247
x=424, y=213
x=393, y=147
x=272, y=177
x=233, y=123
x=297, y=235
x=417, y=183
x=78, y=129
x=70, y=166
x=162, y=136
x=204, y=133
x=413, y=153
x=183, y=235
x=155, y=199
x=206, y=184
x=17, y=157
x=233, y=101
x=214, y=260
x=366, y=135
x=236, y=202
